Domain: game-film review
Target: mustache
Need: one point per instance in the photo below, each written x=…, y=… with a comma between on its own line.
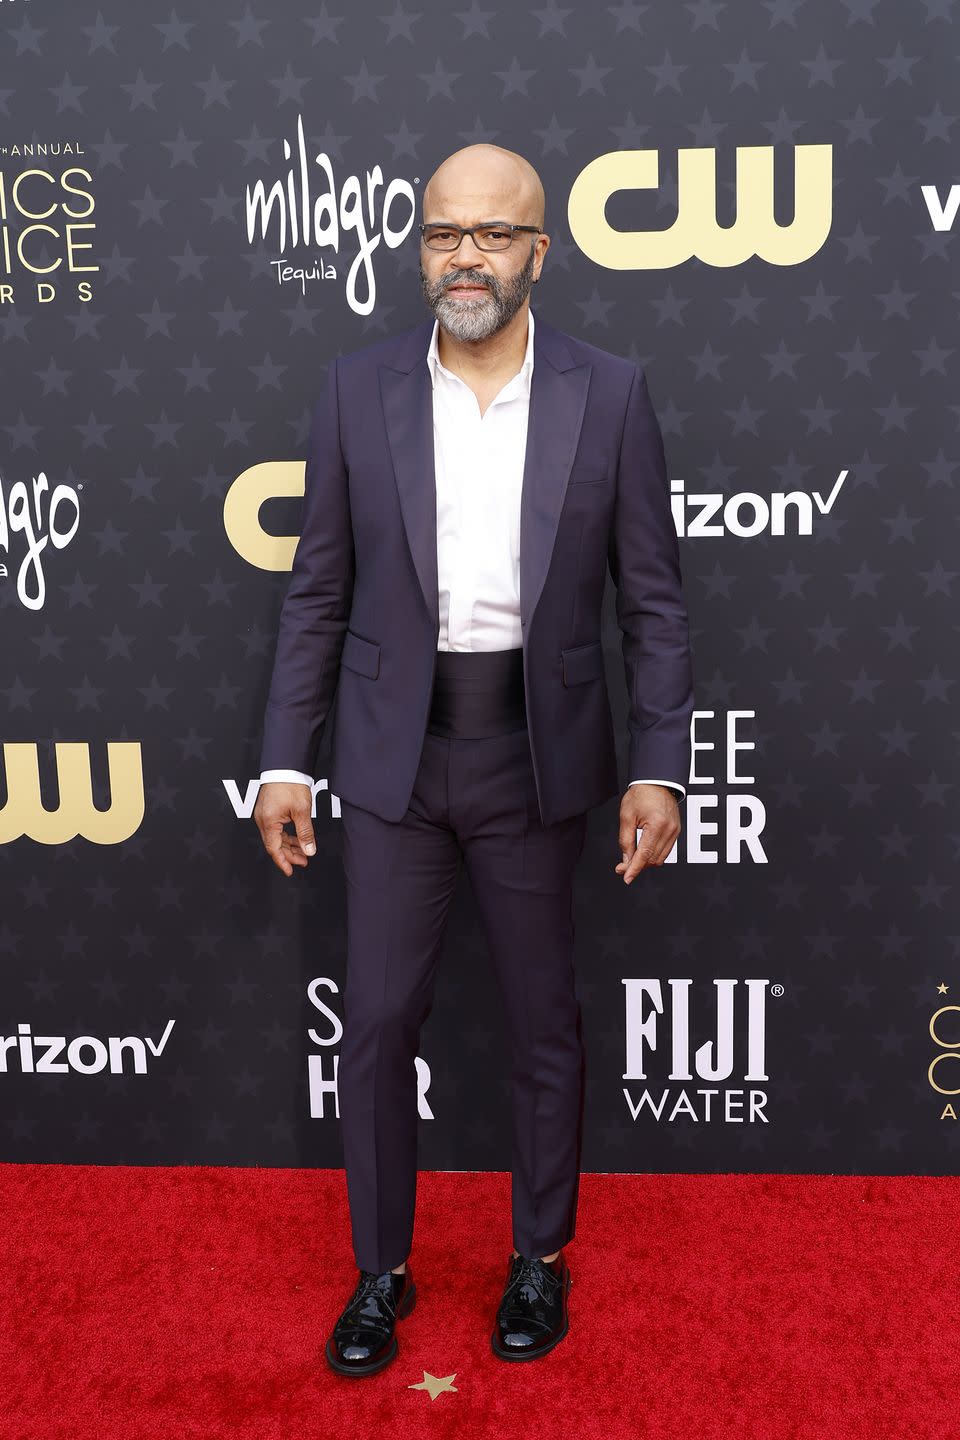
x=464, y=280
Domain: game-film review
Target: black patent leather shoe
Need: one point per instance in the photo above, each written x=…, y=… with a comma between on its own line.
x=363, y=1341
x=532, y=1317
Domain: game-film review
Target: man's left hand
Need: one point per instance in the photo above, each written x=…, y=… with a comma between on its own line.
x=655, y=809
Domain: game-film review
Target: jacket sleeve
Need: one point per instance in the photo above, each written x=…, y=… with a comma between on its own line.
x=316, y=607
x=644, y=558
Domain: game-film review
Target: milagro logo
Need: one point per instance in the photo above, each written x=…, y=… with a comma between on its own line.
x=287, y=209
x=653, y=1039
x=27, y=1054
x=26, y=512
x=746, y=514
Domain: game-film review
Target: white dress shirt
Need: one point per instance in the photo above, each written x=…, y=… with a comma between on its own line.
x=478, y=460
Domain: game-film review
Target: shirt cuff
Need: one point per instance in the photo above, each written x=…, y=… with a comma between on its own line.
x=296, y=776
x=670, y=784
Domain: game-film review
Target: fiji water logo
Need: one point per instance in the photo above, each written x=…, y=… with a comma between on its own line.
x=41, y=521
x=722, y=1079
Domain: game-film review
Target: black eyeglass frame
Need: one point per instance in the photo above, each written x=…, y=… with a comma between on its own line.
x=469, y=230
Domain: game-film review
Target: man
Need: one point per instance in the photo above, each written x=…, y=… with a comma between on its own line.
x=468, y=482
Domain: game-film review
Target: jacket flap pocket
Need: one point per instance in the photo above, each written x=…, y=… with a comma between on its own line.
x=587, y=474
x=360, y=655
x=582, y=662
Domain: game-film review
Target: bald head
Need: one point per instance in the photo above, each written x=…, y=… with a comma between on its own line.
x=484, y=182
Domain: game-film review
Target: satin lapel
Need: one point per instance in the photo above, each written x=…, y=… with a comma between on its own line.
x=408, y=413
x=558, y=397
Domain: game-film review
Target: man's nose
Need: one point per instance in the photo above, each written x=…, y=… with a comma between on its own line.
x=467, y=254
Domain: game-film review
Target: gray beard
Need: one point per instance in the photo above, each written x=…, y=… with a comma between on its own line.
x=480, y=318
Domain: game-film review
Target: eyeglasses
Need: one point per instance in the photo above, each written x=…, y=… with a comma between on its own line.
x=494, y=235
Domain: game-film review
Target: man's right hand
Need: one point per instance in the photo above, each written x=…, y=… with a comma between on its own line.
x=280, y=802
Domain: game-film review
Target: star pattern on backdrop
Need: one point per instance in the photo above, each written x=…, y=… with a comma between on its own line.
x=190, y=364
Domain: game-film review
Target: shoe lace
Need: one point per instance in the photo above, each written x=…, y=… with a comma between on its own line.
x=531, y=1281
x=370, y=1302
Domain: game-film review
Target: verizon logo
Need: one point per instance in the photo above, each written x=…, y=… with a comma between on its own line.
x=747, y=514
x=29, y=1054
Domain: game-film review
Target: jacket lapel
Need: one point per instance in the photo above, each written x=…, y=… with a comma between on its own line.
x=558, y=397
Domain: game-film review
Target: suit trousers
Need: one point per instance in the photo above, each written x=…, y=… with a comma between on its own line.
x=474, y=801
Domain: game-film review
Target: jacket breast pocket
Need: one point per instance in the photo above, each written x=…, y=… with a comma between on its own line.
x=360, y=655
x=582, y=662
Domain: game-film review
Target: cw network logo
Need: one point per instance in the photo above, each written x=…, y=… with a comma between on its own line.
x=29, y=1054
x=714, y=1061
x=696, y=230
x=25, y=814
x=747, y=514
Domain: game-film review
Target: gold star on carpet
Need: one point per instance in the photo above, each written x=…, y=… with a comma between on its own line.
x=941, y=988
x=435, y=1384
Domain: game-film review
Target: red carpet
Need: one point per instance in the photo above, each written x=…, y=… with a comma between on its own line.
x=180, y=1302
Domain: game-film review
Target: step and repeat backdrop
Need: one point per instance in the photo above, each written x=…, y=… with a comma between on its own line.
x=758, y=204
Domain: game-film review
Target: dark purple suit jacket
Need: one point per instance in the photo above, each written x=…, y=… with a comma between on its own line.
x=359, y=623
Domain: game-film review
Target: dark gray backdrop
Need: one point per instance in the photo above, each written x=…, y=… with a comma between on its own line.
x=146, y=384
